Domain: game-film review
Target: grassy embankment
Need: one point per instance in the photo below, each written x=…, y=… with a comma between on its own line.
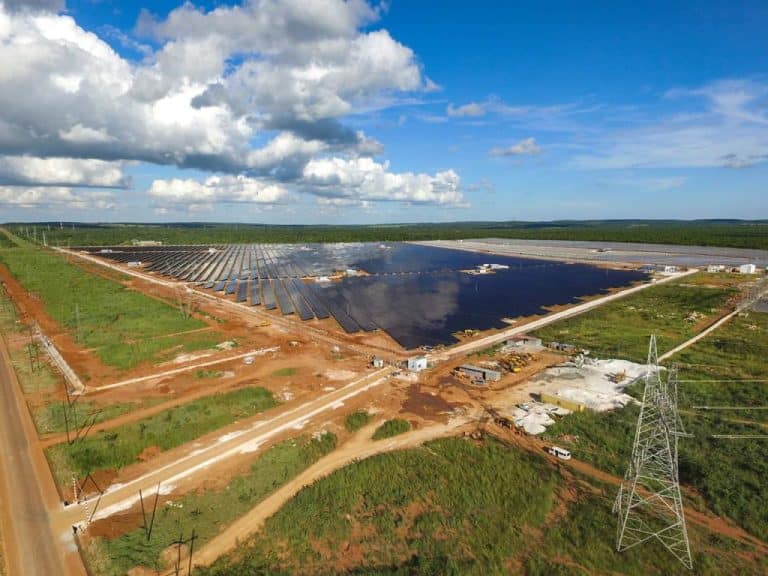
x=455, y=507
x=206, y=512
x=121, y=446
x=40, y=380
x=728, y=473
x=124, y=328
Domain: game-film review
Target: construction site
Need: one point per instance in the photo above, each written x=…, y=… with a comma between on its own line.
x=219, y=392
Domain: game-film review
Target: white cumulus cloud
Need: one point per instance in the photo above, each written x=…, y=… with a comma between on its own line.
x=27, y=170
x=471, y=109
x=257, y=91
x=216, y=189
x=523, y=147
x=55, y=197
x=366, y=179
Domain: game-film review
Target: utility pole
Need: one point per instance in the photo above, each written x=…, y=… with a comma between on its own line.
x=649, y=503
x=148, y=526
x=77, y=320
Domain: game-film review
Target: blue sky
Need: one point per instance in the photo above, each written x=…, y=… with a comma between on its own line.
x=326, y=111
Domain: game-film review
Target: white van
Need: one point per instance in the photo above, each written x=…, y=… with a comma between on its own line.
x=561, y=453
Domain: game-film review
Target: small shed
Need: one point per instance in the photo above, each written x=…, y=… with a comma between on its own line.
x=417, y=363
x=522, y=341
x=479, y=373
x=747, y=269
x=563, y=347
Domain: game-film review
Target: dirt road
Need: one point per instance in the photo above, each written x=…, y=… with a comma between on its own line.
x=357, y=448
x=187, y=368
x=30, y=544
x=122, y=496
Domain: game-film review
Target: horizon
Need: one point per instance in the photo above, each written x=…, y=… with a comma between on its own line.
x=381, y=113
x=598, y=221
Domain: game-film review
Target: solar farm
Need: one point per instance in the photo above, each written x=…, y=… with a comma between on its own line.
x=283, y=277
x=418, y=295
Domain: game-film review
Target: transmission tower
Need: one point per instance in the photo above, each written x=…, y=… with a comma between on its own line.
x=649, y=503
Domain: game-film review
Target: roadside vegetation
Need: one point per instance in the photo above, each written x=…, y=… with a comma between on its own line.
x=124, y=328
x=735, y=233
x=202, y=374
x=6, y=242
x=674, y=312
x=50, y=418
x=34, y=377
x=456, y=507
x=391, y=428
x=356, y=420
x=729, y=474
x=124, y=445
x=284, y=372
x=206, y=512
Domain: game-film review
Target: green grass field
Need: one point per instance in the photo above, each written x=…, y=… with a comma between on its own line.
x=391, y=428
x=121, y=446
x=728, y=473
x=207, y=512
x=125, y=328
x=620, y=329
x=456, y=507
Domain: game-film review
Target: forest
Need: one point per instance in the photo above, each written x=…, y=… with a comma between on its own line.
x=727, y=233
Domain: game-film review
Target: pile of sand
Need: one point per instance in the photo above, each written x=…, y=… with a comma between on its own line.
x=597, y=384
x=536, y=419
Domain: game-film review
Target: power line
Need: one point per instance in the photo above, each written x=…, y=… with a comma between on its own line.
x=728, y=407
x=721, y=381
x=740, y=436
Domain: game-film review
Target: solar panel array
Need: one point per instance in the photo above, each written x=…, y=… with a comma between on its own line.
x=273, y=276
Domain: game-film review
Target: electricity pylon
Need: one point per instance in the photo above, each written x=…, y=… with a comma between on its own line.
x=649, y=503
